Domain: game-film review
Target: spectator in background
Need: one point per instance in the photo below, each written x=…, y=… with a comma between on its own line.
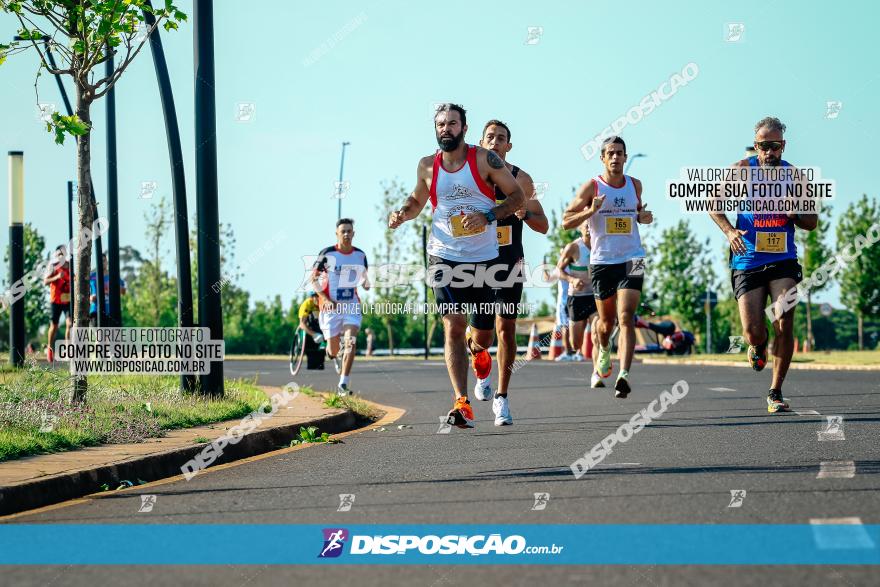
x=93, y=293
x=59, y=297
x=371, y=339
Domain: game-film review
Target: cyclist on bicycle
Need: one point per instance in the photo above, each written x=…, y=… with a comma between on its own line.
x=308, y=317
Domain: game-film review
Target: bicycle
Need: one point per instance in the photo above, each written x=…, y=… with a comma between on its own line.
x=300, y=345
x=297, y=349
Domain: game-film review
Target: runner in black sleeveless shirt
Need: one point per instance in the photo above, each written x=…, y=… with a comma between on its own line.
x=496, y=137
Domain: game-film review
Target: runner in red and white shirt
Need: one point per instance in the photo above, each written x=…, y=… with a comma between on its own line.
x=336, y=275
x=460, y=181
x=59, y=297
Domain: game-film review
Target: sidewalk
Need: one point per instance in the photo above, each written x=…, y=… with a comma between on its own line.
x=37, y=481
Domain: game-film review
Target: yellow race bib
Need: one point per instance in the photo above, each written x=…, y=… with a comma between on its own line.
x=618, y=225
x=771, y=242
x=504, y=236
x=459, y=231
x=65, y=298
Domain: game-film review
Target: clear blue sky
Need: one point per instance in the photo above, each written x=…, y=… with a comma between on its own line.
x=375, y=88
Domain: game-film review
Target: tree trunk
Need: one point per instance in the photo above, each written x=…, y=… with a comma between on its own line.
x=808, y=341
x=390, y=338
x=861, y=332
x=86, y=219
x=431, y=327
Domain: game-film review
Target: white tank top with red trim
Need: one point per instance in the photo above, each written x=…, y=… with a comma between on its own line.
x=455, y=194
x=614, y=229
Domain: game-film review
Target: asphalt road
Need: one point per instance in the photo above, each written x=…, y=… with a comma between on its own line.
x=680, y=469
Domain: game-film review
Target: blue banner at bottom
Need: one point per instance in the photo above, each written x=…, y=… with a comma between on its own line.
x=414, y=544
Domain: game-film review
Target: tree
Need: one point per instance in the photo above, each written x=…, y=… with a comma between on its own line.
x=36, y=313
x=159, y=291
x=423, y=221
x=558, y=236
x=152, y=296
x=815, y=252
x=235, y=301
x=392, y=255
x=130, y=261
x=857, y=233
x=91, y=33
x=682, y=272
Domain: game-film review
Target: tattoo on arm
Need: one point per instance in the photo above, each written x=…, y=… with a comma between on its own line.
x=494, y=160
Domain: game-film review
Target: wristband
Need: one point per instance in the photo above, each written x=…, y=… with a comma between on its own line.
x=528, y=215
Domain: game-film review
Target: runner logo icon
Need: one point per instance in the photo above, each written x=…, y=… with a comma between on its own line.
x=334, y=540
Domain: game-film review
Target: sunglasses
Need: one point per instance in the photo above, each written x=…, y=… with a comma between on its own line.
x=769, y=145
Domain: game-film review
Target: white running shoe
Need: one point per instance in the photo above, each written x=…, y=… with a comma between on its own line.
x=501, y=409
x=483, y=390
x=563, y=358
x=596, y=381
x=577, y=358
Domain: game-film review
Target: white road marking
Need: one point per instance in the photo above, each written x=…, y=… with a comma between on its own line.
x=807, y=413
x=721, y=389
x=840, y=534
x=837, y=470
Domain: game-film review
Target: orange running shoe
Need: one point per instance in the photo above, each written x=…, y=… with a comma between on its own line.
x=461, y=415
x=481, y=361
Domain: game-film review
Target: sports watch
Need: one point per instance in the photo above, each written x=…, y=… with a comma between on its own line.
x=490, y=216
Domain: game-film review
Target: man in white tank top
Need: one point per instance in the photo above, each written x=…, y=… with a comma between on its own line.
x=611, y=205
x=460, y=181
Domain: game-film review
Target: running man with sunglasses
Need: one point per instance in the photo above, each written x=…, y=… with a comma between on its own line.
x=764, y=262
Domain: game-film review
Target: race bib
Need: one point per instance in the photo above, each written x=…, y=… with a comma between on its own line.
x=65, y=298
x=504, y=236
x=771, y=242
x=618, y=225
x=459, y=231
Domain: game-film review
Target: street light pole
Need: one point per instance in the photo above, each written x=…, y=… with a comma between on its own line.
x=207, y=208
x=708, y=308
x=339, y=185
x=16, y=255
x=178, y=187
x=425, y=261
x=114, y=311
x=630, y=161
x=70, y=241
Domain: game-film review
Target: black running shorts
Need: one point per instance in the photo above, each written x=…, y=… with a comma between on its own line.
x=581, y=307
x=461, y=288
x=607, y=279
x=57, y=310
x=743, y=280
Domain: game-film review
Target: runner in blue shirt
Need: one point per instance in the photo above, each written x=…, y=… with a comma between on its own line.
x=764, y=262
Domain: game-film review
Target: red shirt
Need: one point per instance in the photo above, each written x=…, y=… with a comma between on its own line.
x=59, y=290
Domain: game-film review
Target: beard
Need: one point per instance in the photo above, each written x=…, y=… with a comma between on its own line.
x=450, y=143
x=770, y=161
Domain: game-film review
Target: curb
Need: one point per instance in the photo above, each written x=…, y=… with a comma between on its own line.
x=793, y=366
x=65, y=486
